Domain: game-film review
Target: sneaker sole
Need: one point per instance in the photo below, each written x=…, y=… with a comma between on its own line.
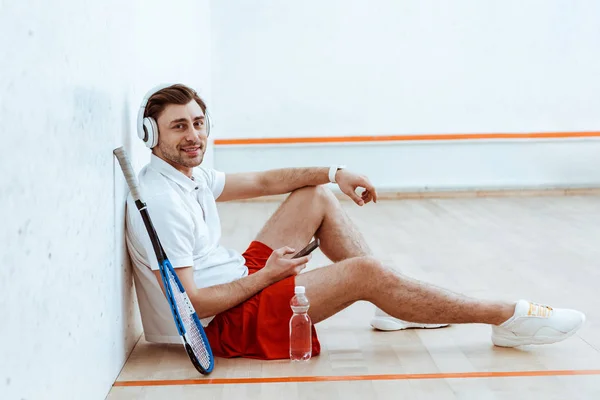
x=532, y=340
x=386, y=324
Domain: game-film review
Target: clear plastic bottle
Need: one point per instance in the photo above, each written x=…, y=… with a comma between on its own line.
x=300, y=327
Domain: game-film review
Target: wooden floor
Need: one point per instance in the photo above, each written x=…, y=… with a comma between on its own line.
x=539, y=248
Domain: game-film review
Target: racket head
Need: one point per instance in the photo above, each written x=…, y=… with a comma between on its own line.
x=188, y=324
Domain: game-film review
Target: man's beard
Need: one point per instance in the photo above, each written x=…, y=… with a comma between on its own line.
x=176, y=156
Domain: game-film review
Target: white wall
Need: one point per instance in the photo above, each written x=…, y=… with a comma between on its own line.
x=344, y=68
x=428, y=166
x=71, y=78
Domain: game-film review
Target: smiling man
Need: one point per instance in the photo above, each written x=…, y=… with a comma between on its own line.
x=243, y=299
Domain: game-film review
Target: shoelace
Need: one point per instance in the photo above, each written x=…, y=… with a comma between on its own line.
x=539, y=310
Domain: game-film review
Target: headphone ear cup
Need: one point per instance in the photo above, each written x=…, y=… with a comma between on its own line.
x=147, y=129
x=151, y=130
x=207, y=124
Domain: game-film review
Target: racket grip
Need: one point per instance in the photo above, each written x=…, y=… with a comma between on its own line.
x=123, y=158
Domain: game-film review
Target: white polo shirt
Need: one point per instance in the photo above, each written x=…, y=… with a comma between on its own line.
x=185, y=216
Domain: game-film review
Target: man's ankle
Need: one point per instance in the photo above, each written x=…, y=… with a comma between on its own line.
x=506, y=312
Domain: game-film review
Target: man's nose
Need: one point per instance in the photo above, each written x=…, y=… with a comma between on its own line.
x=194, y=134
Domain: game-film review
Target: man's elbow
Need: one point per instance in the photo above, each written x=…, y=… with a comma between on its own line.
x=204, y=304
x=202, y=315
x=202, y=308
x=202, y=311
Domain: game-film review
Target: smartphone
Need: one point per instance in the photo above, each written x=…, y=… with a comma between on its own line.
x=308, y=249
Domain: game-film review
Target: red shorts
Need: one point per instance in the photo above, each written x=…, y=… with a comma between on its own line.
x=258, y=327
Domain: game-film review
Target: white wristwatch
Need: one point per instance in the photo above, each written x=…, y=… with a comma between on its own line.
x=332, y=171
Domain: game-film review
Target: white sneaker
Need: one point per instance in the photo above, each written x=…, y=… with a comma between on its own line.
x=385, y=322
x=534, y=323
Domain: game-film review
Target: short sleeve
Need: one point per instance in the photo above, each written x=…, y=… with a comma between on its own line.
x=174, y=227
x=215, y=180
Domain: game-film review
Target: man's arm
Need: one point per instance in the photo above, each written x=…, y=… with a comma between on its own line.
x=285, y=180
x=249, y=185
x=215, y=299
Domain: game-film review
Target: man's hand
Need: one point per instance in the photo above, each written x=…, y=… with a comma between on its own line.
x=349, y=182
x=279, y=266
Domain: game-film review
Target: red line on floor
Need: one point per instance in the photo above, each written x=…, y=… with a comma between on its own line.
x=285, y=379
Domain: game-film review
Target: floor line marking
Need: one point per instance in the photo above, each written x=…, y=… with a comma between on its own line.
x=381, y=377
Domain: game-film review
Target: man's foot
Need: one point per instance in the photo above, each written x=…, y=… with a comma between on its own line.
x=534, y=323
x=385, y=322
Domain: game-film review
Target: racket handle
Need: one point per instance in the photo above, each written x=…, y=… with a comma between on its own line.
x=123, y=158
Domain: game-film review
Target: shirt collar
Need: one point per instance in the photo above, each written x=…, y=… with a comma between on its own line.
x=166, y=169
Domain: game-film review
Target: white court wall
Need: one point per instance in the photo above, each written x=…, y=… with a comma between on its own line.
x=386, y=67
x=72, y=75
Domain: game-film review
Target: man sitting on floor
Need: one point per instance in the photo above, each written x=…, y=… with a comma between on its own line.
x=243, y=299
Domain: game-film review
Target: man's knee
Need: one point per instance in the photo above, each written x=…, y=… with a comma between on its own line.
x=367, y=274
x=319, y=193
x=368, y=267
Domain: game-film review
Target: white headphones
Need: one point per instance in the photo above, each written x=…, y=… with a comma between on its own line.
x=147, y=128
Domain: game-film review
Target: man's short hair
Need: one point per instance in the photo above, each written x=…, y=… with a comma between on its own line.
x=175, y=94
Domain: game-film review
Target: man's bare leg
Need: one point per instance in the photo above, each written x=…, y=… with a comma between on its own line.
x=365, y=278
x=314, y=211
x=358, y=276
x=337, y=286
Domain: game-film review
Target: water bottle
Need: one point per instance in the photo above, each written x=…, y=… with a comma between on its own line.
x=300, y=327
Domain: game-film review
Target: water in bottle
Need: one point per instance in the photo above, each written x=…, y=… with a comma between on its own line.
x=300, y=327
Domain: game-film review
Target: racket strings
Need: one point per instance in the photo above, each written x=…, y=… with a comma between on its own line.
x=193, y=332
